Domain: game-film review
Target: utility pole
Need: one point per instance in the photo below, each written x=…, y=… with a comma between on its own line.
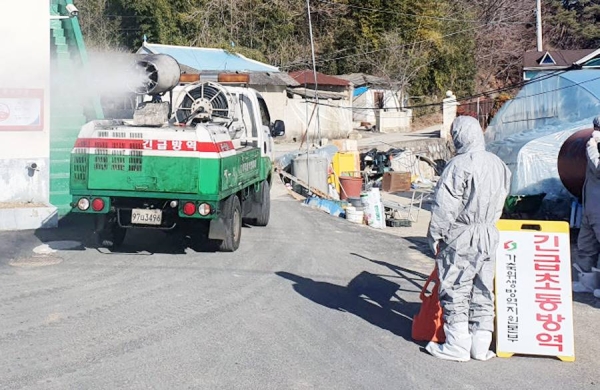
x=539, y=25
x=312, y=49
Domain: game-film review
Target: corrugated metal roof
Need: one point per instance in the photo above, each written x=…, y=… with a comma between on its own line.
x=310, y=93
x=265, y=78
x=188, y=69
x=208, y=59
x=360, y=79
x=307, y=77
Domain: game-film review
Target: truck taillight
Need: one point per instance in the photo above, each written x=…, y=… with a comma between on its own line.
x=83, y=204
x=97, y=204
x=204, y=209
x=189, y=208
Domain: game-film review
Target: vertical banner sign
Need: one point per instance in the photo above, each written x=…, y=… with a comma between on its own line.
x=534, y=307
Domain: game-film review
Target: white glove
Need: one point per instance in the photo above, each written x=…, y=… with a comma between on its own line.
x=435, y=247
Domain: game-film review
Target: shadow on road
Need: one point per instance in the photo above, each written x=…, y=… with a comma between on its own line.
x=420, y=244
x=80, y=228
x=407, y=274
x=587, y=299
x=367, y=296
x=72, y=227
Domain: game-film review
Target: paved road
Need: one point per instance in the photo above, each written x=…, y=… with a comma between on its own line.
x=308, y=302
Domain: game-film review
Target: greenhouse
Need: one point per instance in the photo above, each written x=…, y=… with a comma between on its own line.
x=529, y=130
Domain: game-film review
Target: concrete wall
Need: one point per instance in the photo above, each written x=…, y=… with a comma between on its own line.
x=24, y=73
x=434, y=148
x=276, y=98
x=335, y=122
x=335, y=119
x=390, y=121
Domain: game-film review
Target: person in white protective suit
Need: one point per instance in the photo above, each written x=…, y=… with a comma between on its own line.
x=469, y=199
x=588, y=241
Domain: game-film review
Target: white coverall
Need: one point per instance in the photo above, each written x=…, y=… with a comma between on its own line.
x=588, y=241
x=469, y=200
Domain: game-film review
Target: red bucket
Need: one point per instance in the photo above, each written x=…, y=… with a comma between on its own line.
x=351, y=187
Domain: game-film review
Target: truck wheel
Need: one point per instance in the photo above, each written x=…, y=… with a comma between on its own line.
x=265, y=205
x=108, y=233
x=232, y=215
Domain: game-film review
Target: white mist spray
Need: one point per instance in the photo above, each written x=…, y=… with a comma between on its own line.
x=108, y=77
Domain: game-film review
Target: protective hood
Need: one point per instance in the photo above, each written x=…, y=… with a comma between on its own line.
x=467, y=135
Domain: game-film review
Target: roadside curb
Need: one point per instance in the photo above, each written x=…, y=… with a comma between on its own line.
x=28, y=218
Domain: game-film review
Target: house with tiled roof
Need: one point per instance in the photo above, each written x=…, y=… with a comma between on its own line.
x=536, y=63
x=328, y=87
x=375, y=98
x=333, y=117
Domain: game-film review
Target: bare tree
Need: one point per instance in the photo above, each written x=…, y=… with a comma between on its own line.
x=505, y=30
x=101, y=31
x=401, y=62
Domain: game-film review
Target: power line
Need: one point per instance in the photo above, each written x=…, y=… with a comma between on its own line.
x=379, y=50
x=393, y=12
x=403, y=45
x=558, y=89
x=517, y=85
x=436, y=108
x=381, y=10
x=514, y=86
x=292, y=64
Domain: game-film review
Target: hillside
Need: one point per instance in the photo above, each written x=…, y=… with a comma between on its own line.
x=428, y=46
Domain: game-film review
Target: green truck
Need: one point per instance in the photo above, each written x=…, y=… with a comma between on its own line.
x=197, y=155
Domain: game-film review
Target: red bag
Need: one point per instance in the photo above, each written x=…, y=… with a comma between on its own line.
x=428, y=324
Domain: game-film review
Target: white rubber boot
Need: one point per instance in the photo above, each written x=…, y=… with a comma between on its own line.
x=480, y=347
x=597, y=290
x=587, y=283
x=457, y=346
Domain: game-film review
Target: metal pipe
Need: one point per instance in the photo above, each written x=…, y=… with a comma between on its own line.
x=539, y=25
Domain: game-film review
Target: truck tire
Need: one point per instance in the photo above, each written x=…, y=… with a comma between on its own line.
x=108, y=233
x=265, y=205
x=232, y=216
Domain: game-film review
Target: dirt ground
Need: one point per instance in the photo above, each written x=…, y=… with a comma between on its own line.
x=425, y=121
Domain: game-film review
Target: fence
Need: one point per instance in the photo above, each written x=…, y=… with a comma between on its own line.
x=480, y=109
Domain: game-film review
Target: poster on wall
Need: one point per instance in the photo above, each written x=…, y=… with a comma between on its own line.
x=534, y=308
x=21, y=109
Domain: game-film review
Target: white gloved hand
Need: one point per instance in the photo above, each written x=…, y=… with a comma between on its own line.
x=435, y=246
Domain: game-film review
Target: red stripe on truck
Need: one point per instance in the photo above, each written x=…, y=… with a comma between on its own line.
x=154, y=144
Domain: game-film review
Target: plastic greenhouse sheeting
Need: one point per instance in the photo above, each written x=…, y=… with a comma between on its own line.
x=529, y=130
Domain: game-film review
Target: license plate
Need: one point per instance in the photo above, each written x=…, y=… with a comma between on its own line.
x=146, y=217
